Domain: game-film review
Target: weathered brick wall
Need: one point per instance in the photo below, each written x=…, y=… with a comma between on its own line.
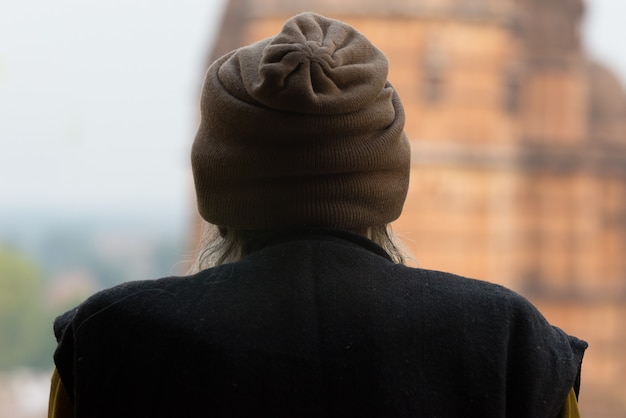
x=512, y=181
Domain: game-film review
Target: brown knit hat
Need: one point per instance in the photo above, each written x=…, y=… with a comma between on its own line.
x=301, y=129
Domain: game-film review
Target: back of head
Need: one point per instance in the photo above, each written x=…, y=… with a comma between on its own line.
x=301, y=129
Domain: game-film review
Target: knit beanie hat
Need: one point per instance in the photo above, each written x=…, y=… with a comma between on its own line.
x=301, y=129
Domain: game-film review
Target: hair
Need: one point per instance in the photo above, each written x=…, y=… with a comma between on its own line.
x=221, y=246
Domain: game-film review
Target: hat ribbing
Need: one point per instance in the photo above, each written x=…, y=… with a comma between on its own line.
x=301, y=129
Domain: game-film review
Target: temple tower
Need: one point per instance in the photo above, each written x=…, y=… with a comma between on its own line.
x=518, y=153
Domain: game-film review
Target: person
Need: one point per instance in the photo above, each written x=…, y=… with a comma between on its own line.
x=301, y=305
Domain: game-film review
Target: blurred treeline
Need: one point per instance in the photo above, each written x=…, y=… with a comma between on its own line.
x=48, y=268
x=25, y=330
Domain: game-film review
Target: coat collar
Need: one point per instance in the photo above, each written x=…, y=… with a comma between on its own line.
x=316, y=234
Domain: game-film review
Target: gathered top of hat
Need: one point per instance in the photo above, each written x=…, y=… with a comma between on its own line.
x=301, y=128
x=314, y=65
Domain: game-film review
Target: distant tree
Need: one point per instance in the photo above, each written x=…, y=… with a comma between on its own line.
x=25, y=326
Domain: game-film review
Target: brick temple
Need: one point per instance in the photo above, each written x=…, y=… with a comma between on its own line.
x=519, y=154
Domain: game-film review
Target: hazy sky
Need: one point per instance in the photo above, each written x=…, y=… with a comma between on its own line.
x=98, y=102
x=98, y=99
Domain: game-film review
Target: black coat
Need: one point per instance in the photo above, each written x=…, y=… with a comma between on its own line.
x=314, y=325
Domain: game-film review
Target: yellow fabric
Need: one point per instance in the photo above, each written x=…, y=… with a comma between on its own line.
x=60, y=405
x=570, y=409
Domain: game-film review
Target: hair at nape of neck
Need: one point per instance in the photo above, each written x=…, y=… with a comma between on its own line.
x=219, y=245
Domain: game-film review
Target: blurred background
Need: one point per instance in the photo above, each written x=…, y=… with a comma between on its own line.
x=515, y=109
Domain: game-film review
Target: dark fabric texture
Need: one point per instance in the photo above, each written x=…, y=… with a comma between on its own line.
x=303, y=127
x=314, y=325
